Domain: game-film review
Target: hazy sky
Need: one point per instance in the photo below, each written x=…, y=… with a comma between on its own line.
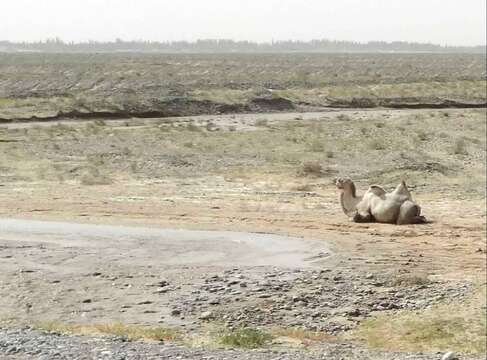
x=453, y=22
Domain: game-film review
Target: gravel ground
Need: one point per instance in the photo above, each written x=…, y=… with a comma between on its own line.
x=32, y=344
x=326, y=300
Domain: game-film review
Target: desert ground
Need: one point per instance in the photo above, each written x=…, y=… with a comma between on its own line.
x=196, y=217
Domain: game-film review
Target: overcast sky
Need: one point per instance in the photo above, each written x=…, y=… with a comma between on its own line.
x=452, y=22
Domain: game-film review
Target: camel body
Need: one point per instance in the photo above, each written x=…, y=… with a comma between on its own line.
x=376, y=205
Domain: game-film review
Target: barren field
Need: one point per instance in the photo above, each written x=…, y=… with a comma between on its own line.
x=221, y=236
x=122, y=85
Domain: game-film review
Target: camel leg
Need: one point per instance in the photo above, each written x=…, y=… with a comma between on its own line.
x=410, y=213
x=358, y=218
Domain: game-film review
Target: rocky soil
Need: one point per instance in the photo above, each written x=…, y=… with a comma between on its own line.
x=31, y=344
x=326, y=300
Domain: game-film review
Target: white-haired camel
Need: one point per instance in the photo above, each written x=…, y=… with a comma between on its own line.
x=376, y=205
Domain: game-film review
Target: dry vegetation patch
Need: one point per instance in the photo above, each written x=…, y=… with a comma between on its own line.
x=459, y=327
x=129, y=332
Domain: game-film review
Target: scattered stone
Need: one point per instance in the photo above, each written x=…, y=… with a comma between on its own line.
x=145, y=302
x=207, y=315
x=175, y=312
x=450, y=355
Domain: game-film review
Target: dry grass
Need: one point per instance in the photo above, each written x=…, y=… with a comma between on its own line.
x=95, y=177
x=311, y=168
x=262, y=122
x=130, y=332
x=376, y=145
x=303, y=187
x=304, y=335
x=411, y=280
x=447, y=327
x=304, y=148
x=245, y=337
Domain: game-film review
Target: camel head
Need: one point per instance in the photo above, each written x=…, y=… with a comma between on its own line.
x=346, y=185
x=347, y=196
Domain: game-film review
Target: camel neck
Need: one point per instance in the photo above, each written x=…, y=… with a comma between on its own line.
x=349, y=201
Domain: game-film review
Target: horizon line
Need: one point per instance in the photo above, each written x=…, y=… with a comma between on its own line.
x=264, y=42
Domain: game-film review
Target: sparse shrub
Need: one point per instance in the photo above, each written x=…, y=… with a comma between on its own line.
x=313, y=168
x=92, y=128
x=261, y=122
x=316, y=145
x=376, y=145
x=364, y=130
x=164, y=127
x=126, y=151
x=96, y=160
x=422, y=135
x=94, y=177
x=192, y=127
x=232, y=128
x=446, y=114
x=304, y=187
x=99, y=122
x=411, y=280
x=245, y=337
x=330, y=154
x=343, y=117
x=210, y=126
x=460, y=147
x=380, y=125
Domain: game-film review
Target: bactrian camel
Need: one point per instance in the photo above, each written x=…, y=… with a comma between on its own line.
x=376, y=205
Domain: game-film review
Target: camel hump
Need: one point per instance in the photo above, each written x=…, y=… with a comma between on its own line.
x=377, y=190
x=402, y=189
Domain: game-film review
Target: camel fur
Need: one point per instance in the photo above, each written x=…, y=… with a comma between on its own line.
x=376, y=205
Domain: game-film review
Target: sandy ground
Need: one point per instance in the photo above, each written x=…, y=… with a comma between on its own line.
x=142, y=273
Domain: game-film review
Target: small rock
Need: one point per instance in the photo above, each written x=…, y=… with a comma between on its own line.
x=86, y=301
x=206, y=315
x=161, y=291
x=175, y=312
x=146, y=302
x=450, y=355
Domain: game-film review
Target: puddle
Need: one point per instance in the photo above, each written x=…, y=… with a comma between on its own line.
x=143, y=245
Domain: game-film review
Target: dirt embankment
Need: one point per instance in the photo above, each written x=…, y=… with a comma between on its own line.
x=191, y=107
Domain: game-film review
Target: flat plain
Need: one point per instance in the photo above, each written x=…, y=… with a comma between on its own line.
x=251, y=144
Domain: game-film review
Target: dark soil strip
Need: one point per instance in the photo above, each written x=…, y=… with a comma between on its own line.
x=188, y=107
x=404, y=103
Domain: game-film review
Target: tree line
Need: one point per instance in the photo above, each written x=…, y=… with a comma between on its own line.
x=229, y=46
